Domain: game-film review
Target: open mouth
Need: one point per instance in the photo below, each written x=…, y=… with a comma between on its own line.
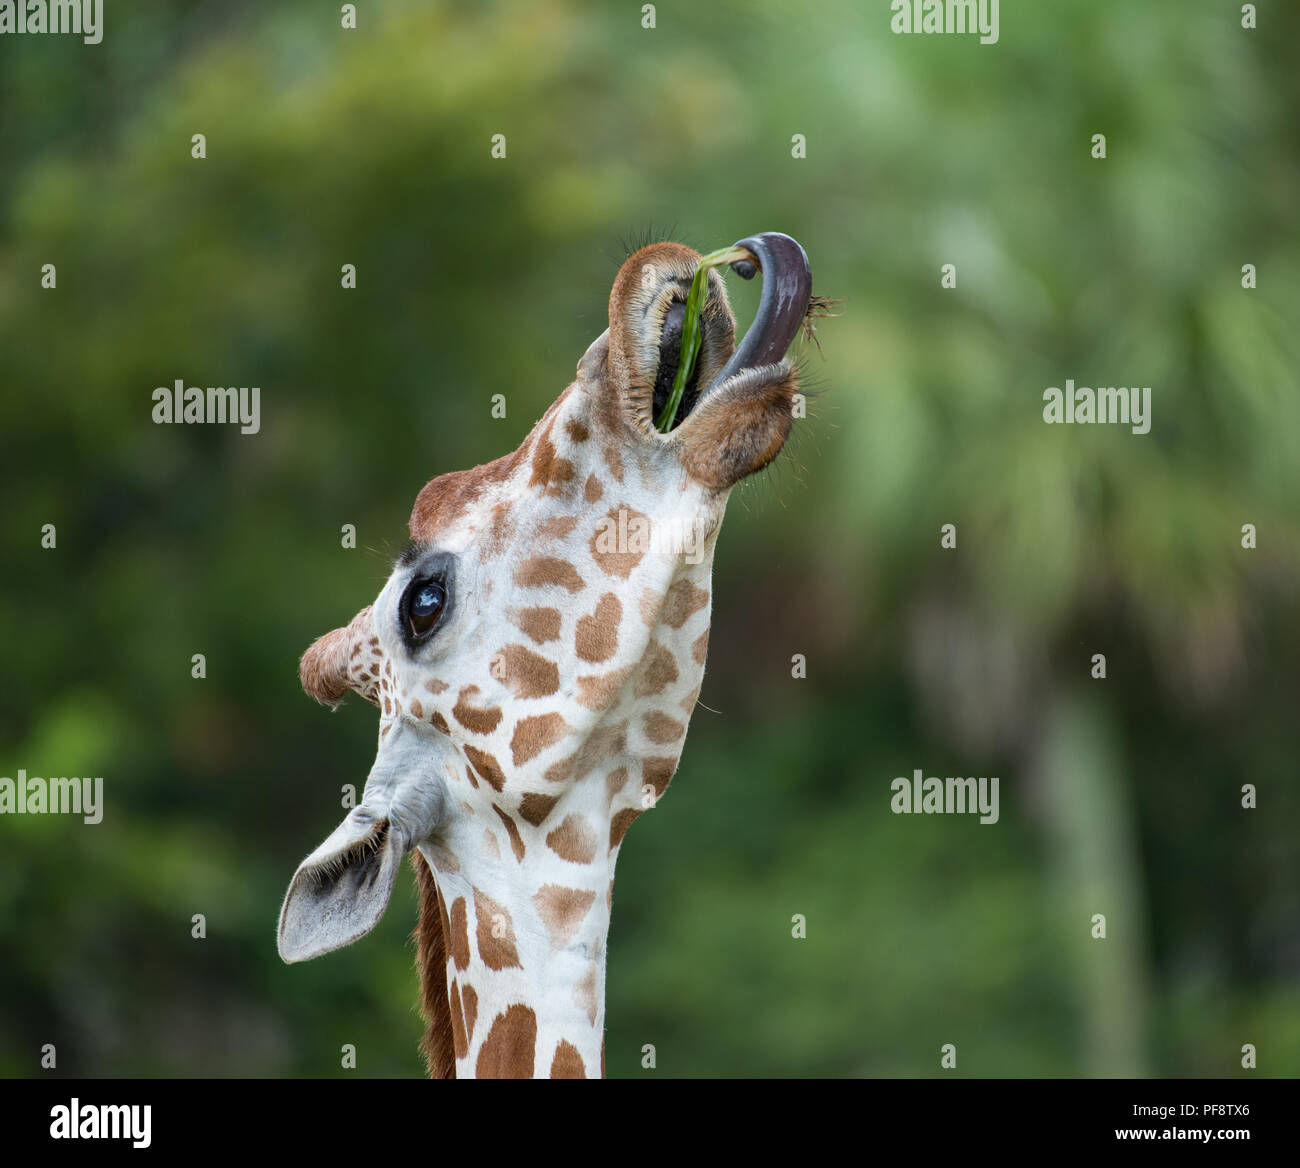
x=783, y=304
x=670, y=358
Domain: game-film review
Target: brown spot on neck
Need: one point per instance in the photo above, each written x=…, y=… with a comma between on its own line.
x=567, y=1063
x=596, y=637
x=540, y=624
x=659, y=672
x=497, y=952
x=527, y=674
x=535, y=807
x=562, y=911
x=682, y=601
x=535, y=734
x=551, y=473
x=499, y=530
x=510, y=1049
x=621, y=541
x=487, y=767
x=512, y=830
x=458, y=933
x=476, y=719
x=615, y=781
x=560, y=772
x=661, y=729
x=599, y=692
x=548, y=572
x=558, y=527
x=651, y=604
x=658, y=772
x=619, y=824
x=574, y=840
x=460, y=1043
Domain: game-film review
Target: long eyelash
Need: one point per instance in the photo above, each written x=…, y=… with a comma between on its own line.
x=408, y=555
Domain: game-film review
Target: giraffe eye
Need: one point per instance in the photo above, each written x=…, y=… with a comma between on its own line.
x=424, y=602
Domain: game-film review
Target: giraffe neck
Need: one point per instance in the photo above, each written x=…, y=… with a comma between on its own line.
x=524, y=952
x=523, y=858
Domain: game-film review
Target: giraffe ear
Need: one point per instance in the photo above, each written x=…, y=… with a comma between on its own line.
x=341, y=890
x=345, y=659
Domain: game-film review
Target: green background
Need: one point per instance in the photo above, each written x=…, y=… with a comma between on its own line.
x=479, y=276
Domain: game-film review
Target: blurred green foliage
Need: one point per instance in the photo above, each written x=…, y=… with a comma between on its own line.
x=479, y=276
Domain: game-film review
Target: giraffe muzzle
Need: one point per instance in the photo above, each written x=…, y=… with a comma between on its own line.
x=745, y=413
x=783, y=306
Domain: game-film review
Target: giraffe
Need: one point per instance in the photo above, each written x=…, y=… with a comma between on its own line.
x=536, y=655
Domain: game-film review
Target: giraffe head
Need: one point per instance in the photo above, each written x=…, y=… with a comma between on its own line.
x=538, y=648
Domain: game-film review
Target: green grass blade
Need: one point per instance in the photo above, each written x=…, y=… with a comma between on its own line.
x=691, y=335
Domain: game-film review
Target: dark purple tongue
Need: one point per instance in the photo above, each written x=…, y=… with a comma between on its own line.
x=787, y=290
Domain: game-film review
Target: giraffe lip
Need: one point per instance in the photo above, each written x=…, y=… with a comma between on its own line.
x=782, y=306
